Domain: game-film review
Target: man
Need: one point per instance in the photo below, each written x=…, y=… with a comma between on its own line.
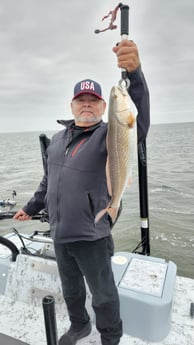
x=75, y=189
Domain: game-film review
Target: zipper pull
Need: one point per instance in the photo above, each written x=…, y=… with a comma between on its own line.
x=67, y=150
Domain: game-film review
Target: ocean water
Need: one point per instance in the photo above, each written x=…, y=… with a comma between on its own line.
x=170, y=162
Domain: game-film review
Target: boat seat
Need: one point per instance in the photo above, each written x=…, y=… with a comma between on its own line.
x=6, y=340
x=31, y=279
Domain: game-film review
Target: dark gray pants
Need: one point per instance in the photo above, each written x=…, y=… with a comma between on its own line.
x=92, y=260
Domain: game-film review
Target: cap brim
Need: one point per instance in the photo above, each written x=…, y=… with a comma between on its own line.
x=89, y=93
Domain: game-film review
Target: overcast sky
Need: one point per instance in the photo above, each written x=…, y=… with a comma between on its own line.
x=49, y=45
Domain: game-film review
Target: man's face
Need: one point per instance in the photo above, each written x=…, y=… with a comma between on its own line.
x=87, y=109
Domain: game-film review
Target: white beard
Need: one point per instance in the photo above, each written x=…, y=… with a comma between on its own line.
x=92, y=118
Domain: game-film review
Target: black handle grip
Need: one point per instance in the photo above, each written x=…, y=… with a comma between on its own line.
x=124, y=20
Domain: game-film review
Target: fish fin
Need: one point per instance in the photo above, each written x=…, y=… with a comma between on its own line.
x=131, y=120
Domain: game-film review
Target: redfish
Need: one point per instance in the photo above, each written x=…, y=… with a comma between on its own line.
x=121, y=141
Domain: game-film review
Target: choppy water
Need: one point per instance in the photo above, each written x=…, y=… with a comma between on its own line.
x=171, y=191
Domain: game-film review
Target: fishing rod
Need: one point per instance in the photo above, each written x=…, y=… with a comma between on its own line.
x=10, y=204
x=142, y=156
x=142, y=152
x=44, y=143
x=42, y=216
x=7, y=203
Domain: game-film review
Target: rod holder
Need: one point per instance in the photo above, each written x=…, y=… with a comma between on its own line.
x=48, y=303
x=143, y=197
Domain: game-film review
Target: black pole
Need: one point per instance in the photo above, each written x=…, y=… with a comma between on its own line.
x=124, y=31
x=142, y=155
x=143, y=197
x=48, y=303
x=44, y=143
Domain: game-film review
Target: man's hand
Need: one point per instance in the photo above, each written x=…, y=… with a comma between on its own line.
x=21, y=215
x=127, y=55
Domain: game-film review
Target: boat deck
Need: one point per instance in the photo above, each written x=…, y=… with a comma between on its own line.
x=21, y=313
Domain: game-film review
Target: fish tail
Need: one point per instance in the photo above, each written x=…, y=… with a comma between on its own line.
x=112, y=212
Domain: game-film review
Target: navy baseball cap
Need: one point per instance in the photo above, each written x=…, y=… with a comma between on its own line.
x=88, y=86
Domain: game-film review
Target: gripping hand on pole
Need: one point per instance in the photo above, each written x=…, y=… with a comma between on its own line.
x=127, y=55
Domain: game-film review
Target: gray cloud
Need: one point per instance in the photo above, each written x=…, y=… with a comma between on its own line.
x=46, y=46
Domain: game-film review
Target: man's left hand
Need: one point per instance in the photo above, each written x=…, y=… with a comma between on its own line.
x=127, y=55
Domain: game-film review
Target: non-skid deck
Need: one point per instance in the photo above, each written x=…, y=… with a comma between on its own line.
x=21, y=313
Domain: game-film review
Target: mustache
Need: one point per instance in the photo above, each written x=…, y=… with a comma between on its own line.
x=86, y=108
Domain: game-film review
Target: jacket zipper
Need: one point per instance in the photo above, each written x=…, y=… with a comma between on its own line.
x=76, y=148
x=72, y=155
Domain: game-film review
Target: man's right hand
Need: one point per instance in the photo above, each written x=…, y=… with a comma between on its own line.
x=21, y=215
